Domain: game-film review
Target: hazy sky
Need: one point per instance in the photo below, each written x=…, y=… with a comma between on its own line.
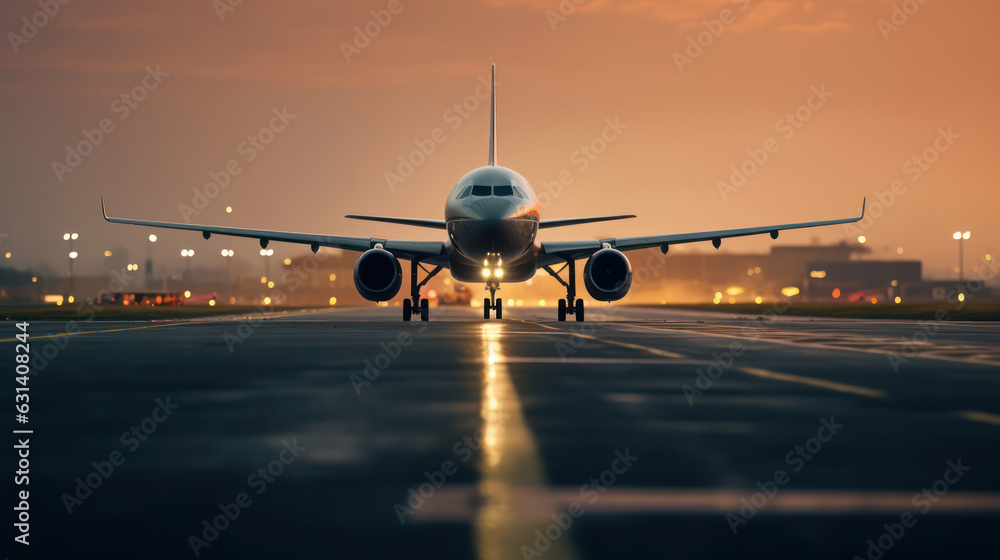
x=353, y=104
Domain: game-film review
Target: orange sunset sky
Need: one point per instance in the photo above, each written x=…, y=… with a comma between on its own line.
x=892, y=87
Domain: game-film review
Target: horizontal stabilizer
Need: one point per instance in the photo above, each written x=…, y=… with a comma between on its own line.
x=576, y=221
x=433, y=224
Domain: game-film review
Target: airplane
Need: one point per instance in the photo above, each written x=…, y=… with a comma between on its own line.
x=492, y=220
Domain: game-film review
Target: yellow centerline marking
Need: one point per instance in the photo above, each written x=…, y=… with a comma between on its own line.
x=198, y=321
x=977, y=416
x=927, y=354
x=649, y=349
x=821, y=383
x=34, y=337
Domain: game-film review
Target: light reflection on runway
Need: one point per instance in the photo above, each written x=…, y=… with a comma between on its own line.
x=510, y=465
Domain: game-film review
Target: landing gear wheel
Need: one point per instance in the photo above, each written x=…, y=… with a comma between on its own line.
x=579, y=310
x=486, y=308
x=498, y=306
x=562, y=310
x=424, y=310
x=407, y=309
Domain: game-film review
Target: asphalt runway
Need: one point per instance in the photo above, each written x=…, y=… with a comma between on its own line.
x=642, y=433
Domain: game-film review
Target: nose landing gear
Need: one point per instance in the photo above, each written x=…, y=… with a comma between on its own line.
x=493, y=272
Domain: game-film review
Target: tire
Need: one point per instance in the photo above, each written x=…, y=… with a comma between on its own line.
x=486, y=308
x=498, y=306
x=407, y=309
x=425, y=311
x=579, y=310
x=562, y=310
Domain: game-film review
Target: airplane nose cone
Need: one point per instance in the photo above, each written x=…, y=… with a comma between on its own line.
x=492, y=209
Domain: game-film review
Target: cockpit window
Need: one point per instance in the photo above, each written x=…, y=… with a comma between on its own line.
x=465, y=192
x=481, y=190
x=519, y=193
x=503, y=190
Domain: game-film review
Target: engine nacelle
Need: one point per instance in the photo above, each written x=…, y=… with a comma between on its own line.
x=377, y=275
x=607, y=275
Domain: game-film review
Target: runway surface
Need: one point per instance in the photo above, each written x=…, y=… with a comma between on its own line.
x=641, y=433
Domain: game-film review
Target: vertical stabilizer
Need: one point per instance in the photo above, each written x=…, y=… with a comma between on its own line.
x=493, y=116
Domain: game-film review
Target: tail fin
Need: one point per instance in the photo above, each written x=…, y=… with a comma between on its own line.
x=493, y=116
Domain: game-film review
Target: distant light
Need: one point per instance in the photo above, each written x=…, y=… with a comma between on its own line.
x=989, y=257
x=187, y=293
x=862, y=239
x=74, y=236
x=211, y=303
x=34, y=279
x=790, y=291
x=53, y=298
x=817, y=274
x=66, y=236
x=836, y=293
x=718, y=295
x=187, y=252
x=73, y=255
x=732, y=300
x=333, y=277
x=270, y=284
x=758, y=300
x=59, y=302
x=510, y=303
x=287, y=261
x=749, y=272
x=7, y=255
x=266, y=252
x=107, y=253
x=734, y=291
x=899, y=250
x=663, y=302
x=432, y=294
x=333, y=300
x=956, y=235
x=756, y=270
x=541, y=303
x=267, y=301
x=898, y=299
x=263, y=279
x=874, y=300
x=961, y=297
x=895, y=283
x=152, y=238
x=71, y=299
x=229, y=209
x=520, y=302
x=716, y=301
x=232, y=301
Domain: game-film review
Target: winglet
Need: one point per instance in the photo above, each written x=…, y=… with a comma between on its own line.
x=104, y=211
x=863, y=201
x=493, y=116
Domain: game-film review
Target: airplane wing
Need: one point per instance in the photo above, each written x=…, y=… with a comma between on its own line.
x=554, y=252
x=431, y=252
x=433, y=224
x=576, y=221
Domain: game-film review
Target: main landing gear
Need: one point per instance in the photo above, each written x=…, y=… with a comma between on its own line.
x=570, y=305
x=415, y=305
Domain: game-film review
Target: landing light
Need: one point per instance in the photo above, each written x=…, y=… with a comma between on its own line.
x=498, y=273
x=486, y=273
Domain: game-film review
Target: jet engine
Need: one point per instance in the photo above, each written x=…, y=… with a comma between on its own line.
x=607, y=275
x=377, y=275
